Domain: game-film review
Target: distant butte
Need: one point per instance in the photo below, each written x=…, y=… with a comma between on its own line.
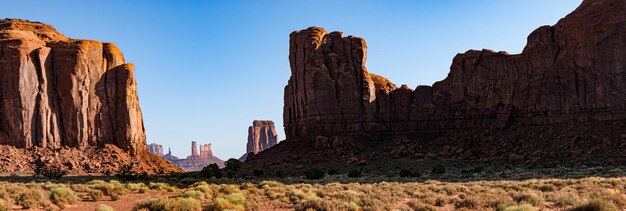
x=261, y=136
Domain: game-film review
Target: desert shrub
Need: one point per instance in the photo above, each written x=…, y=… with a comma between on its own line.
x=113, y=189
x=409, y=173
x=257, y=172
x=4, y=205
x=164, y=204
x=126, y=173
x=95, y=195
x=438, y=169
x=522, y=207
x=50, y=171
x=547, y=188
x=419, y=206
x=62, y=196
x=314, y=173
x=233, y=201
x=186, y=204
x=211, y=171
x=143, y=189
x=32, y=198
x=440, y=202
x=333, y=171
x=194, y=194
x=355, y=173
x=104, y=207
x=315, y=204
x=469, y=203
x=232, y=167
x=527, y=198
x=596, y=205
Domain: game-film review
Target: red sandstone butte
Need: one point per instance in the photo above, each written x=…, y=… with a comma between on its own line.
x=62, y=93
x=562, y=99
x=261, y=136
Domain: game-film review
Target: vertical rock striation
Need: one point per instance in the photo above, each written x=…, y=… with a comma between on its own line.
x=561, y=101
x=57, y=92
x=573, y=70
x=261, y=136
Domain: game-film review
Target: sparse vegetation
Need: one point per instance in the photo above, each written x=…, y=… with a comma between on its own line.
x=340, y=192
x=438, y=169
x=597, y=205
x=179, y=204
x=211, y=171
x=62, y=196
x=50, y=171
x=104, y=207
x=314, y=174
x=355, y=173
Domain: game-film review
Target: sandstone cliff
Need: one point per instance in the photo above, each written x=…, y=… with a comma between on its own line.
x=261, y=136
x=561, y=94
x=62, y=93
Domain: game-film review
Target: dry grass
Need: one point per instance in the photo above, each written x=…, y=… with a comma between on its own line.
x=593, y=193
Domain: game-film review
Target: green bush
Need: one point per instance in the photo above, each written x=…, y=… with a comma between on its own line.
x=62, y=196
x=104, y=207
x=438, y=169
x=355, y=173
x=596, y=205
x=232, y=167
x=50, y=171
x=211, y=171
x=314, y=173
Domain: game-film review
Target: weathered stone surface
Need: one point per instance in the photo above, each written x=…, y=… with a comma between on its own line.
x=156, y=149
x=570, y=81
x=573, y=70
x=261, y=136
x=57, y=92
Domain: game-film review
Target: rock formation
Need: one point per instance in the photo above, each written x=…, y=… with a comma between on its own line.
x=62, y=93
x=169, y=157
x=156, y=149
x=195, y=162
x=261, y=136
x=568, y=76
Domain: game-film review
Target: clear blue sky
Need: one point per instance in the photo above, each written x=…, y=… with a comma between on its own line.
x=207, y=69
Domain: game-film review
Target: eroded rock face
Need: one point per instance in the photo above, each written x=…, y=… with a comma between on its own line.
x=562, y=101
x=573, y=70
x=261, y=136
x=57, y=92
